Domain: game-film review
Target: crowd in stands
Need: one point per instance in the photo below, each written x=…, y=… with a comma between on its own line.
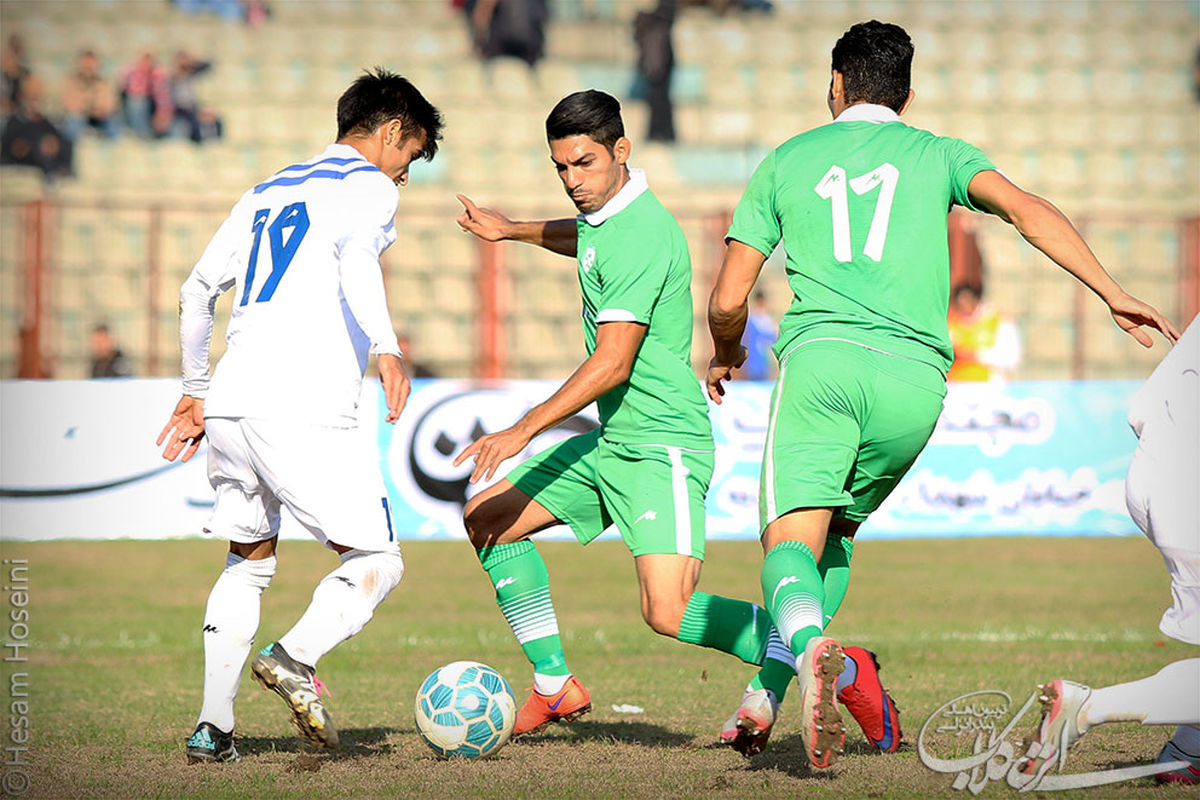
x=148, y=100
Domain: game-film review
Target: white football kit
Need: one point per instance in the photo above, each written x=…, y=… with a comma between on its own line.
x=301, y=251
x=1161, y=487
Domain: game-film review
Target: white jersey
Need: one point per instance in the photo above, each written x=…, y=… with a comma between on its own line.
x=302, y=249
x=1169, y=401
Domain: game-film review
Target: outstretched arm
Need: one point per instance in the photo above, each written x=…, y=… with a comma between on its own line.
x=609, y=366
x=557, y=235
x=1049, y=230
x=727, y=311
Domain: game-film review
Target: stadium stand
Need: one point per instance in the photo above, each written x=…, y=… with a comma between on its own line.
x=1090, y=102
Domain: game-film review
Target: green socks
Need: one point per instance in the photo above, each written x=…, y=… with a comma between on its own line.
x=741, y=629
x=834, y=567
x=523, y=594
x=794, y=593
x=731, y=626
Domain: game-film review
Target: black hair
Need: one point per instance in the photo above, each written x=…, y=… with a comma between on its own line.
x=378, y=96
x=875, y=59
x=590, y=113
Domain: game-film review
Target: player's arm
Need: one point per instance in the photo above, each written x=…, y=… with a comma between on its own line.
x=609, y=366
x=361, y=276
x=556, y=235
x=728, y=308
x=213, y=275
x=1049, y=230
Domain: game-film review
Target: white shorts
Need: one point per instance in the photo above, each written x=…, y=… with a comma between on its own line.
x=1160, y=493
x=328, y=478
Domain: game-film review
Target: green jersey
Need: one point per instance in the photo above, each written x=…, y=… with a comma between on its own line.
x=634, y=267
x=861, y=207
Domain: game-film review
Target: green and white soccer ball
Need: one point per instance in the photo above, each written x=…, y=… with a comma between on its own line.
x=465, y=709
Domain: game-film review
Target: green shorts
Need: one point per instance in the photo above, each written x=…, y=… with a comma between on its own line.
x=654, y=493
x=846, y=423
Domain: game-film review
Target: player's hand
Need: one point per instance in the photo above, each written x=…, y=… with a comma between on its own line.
x=184, y=430
x=396, y=386
x=489, y=225
x=1131, y=314
x=719, y=373
x=490, y=450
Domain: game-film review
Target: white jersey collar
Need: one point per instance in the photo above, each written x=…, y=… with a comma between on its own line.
x=620, y=201
x=868, y=112
x=336, y=150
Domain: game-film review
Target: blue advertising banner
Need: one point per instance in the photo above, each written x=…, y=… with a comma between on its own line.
x=78, y=460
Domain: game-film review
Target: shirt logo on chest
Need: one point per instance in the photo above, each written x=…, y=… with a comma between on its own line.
x=588, y=261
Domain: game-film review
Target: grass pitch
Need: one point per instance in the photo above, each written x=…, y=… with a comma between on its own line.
x=116, y=668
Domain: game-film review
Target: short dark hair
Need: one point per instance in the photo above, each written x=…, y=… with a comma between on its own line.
x=378, y=96
x=875, y=59
x=590, y=113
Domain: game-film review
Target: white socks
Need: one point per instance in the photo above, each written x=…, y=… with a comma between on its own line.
x=1171, y=696
x=230, y=621
x=343, y=603
x=549, y=684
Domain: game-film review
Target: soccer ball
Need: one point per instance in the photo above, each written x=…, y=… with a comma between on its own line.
x=465, y=709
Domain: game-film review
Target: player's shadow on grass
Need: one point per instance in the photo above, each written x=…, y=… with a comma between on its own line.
x=354, y=742
x=630, y=732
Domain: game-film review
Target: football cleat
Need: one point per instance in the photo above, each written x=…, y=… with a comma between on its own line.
x=568, y=704
x=1188, y=776
x=821, y=727
x=870, y=704
x=299, y=687
x=1059, y=728
x=750, y=726
x=209, y=743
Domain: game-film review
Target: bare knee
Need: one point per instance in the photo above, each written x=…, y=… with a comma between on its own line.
x=664, y=617
x=480, y=523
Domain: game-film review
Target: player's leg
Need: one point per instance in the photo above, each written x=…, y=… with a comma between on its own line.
x=1069, y=710
x=330, y=481
x=248, y=516
x=555, y=486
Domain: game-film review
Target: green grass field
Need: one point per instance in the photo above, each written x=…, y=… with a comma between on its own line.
x=116, y=668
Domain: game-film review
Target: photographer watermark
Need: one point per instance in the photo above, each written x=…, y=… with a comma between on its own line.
x=996, y=753
x=14, y=767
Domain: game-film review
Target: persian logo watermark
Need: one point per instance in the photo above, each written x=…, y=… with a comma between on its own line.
x=996, y=753
x=14, y=767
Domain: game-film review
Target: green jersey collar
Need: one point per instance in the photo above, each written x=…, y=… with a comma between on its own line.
x=620, y=201
x=868, y=112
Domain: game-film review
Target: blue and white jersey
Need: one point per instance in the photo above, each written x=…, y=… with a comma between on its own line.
x=301, y=251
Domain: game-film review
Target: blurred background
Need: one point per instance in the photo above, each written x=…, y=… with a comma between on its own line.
x=131, y=128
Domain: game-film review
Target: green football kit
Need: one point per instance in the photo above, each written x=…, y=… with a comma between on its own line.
x=648, y=466
x=861, y=206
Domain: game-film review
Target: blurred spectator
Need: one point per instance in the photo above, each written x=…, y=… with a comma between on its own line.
x=88, y=100
x=655, y=61
x=252, y=12
x=721, y=6
x=107, y=359
x=190, y=119
x=415, y=368
x=146, y=98
x=30, y=139
x=986, y=346
x=509, y=28
x=759, y=336
x=14, y=73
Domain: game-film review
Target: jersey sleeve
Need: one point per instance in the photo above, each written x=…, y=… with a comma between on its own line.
x=964, y=161
x=214, y=274
x=371, y=229
x=631, y=281
x=755, y=220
